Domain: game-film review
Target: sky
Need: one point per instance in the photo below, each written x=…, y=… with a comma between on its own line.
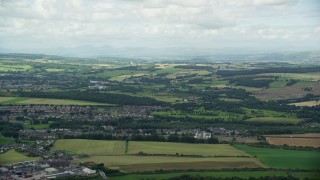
x=226, y=25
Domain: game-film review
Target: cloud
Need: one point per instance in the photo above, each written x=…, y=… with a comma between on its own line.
x=168, y=22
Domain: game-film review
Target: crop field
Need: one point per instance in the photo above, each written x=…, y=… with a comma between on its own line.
x=183, y=148
x=306, y=103
x=91, y=147
x=131, y=163
x=309, y=140
x=276, y=120
x=227, y=174
x=25, y=100
x=284, y=158
x=13, y=156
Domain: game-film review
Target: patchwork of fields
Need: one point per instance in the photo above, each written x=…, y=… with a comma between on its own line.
x=166, y=156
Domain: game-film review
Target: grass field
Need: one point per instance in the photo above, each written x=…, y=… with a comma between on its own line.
x=91, y=147
x=280, y=120
x=13, y=156
x=283, y=158
x=183, y=148
x=240, y=174
x=26, y=100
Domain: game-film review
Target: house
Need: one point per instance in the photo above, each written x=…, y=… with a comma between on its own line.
x=88, y=171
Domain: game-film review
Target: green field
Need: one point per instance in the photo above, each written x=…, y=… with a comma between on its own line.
x=26, y=100
x=283, y=158
x=14, y=67
x=183, y=148
x=13, y=156
x=240, y=174
x=271, y=120
x=91, y=147
x=36, y=126
x=5, y=140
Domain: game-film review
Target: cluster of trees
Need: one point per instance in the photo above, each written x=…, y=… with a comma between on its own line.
x=96, y=96
x=251, y=81
x=9, y=129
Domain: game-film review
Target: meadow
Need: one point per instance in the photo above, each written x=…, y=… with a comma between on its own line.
x=284, y=158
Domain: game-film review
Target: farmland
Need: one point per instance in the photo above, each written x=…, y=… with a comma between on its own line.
x=146, y=116
x=284, y=158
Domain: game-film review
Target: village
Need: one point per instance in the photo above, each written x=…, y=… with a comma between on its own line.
x=74, y=112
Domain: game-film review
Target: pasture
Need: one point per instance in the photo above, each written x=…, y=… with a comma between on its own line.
x=12, y=156
x=26, y=100
x=284, y=158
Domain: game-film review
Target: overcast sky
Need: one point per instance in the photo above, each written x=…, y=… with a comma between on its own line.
x=217, y=24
